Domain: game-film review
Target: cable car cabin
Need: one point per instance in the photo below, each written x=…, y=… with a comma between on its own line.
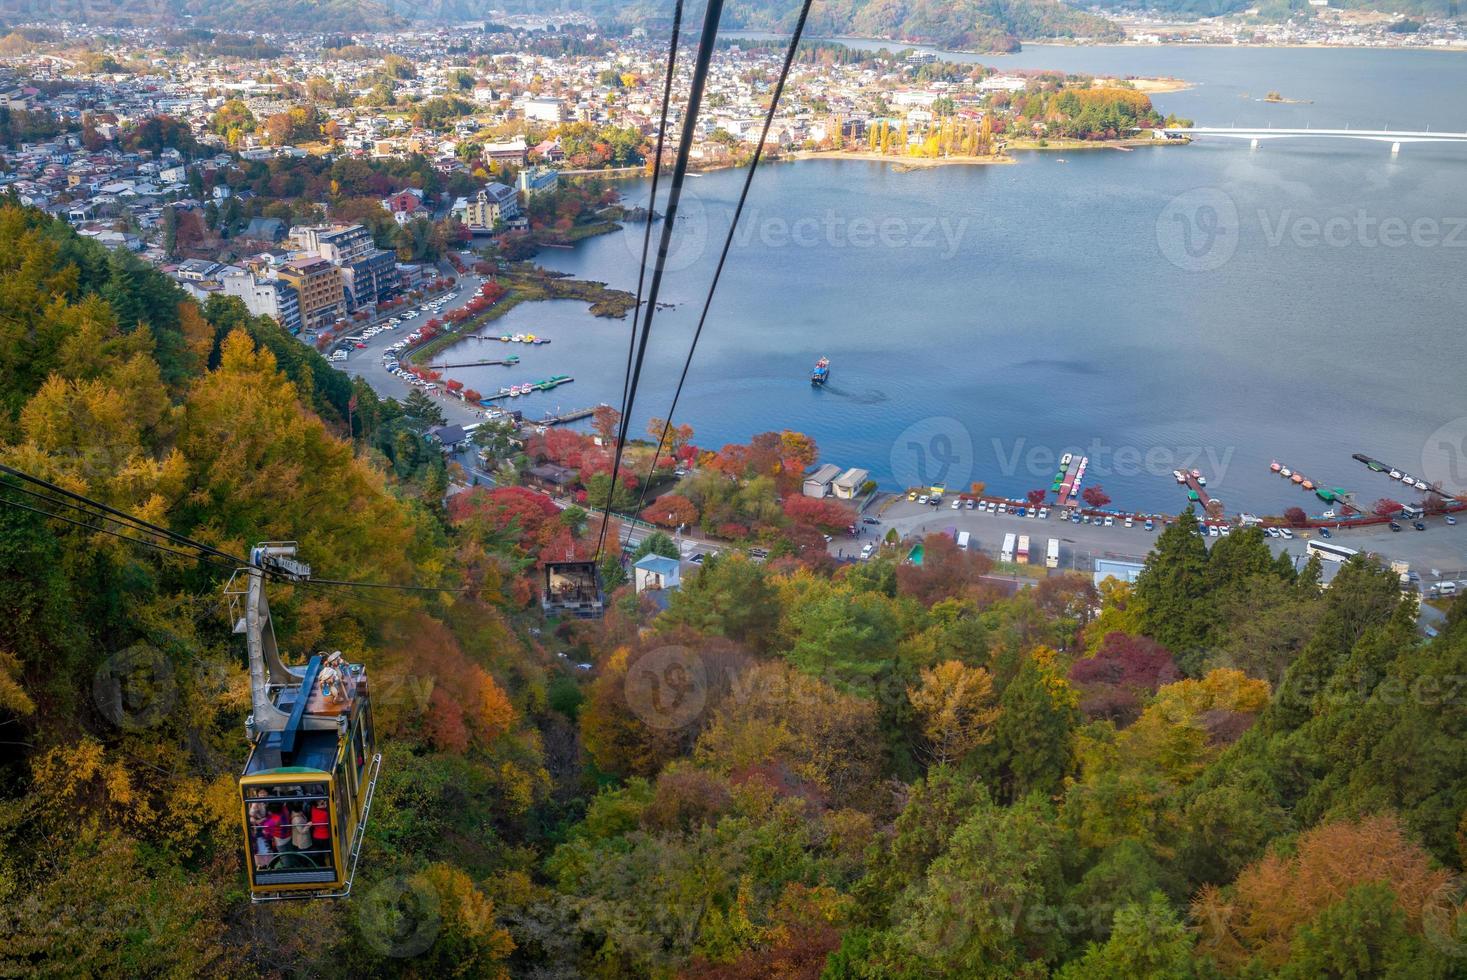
x=572, y=588
x=305, y=793
x=307, y=786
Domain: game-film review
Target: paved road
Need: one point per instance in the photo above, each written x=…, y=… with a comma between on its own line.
x=367, y=363
x=1440, y=547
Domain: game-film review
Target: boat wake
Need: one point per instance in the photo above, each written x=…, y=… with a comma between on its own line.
x=872, y=397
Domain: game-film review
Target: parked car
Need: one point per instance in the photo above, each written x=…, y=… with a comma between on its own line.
x=1044, y=513
x=1150, y=525
x=1286, y=533
x=1109, y=521
x=1450, y=519
x=1130, y=522
x=1395, y=526
x=869, y=520
x=972, y=503
x=1324, y=533
x=921, y=500
x=957, y=504
x=1418, y=525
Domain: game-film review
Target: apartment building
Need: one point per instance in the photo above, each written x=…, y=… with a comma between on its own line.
x=319, y=291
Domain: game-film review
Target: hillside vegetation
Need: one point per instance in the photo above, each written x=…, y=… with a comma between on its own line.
x=794, y=769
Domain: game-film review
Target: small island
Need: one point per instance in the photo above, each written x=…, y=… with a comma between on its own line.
x=1275, y=97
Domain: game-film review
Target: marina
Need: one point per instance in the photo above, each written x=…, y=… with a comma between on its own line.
x=1376, y=466
x=515, y=391
x=510, y=361
x=1069, y=488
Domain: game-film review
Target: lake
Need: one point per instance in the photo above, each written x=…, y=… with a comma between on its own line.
x=1200, y=306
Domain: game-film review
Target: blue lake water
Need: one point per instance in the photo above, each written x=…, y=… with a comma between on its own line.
x=1201, y=305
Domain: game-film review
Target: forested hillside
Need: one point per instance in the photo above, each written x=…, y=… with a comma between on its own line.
x=793, y=770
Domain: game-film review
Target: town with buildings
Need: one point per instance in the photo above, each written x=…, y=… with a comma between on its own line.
x=318, y=177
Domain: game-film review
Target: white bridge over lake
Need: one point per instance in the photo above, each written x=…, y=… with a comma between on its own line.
x=1255, y=135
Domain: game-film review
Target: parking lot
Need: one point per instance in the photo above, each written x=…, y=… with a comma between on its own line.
x=367, y=361
x=1441, y=547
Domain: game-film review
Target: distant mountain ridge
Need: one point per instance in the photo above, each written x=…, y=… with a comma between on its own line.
x=980, y=25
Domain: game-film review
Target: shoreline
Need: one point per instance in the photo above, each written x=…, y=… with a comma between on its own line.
x=914, y=163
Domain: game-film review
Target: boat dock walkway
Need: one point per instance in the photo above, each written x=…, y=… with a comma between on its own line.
x=565, y=417
x=546, y=385
x=1198, y=489
x=463, y=364
x=1386, y=469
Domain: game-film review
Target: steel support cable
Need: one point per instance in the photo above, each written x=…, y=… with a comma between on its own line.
x=138, y=522
x=706, y=41
x=116, y=534
x=789, y=59
x=677, y=26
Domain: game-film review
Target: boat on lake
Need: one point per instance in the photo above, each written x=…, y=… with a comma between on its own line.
x=821, y=374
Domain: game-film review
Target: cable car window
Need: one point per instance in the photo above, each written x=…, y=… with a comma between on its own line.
x=289, y=828
x=359, y=747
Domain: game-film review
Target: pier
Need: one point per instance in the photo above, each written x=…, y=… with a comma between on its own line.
x=1197, y=488
x=525, y=389
x=1395, y=473
x=463, y=364
x=565, y=417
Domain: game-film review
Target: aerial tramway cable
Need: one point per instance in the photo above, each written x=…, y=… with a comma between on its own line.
x=677, y=25
x=706, y=41
x=102, y=530
x=128, y=521
x=789, y=59
x=138, y=522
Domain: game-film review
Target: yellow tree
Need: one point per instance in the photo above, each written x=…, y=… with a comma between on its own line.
x=985, y=136
x=956, y=705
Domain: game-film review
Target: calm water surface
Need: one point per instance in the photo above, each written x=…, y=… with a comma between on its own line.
x=1200, y=306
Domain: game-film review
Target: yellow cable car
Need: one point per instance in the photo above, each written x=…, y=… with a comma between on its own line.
x=307, y=787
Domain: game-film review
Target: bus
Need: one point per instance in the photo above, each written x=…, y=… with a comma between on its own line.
x=1051, y=556
x=1022, y=555
x=1008, y=547
x=1328, y=551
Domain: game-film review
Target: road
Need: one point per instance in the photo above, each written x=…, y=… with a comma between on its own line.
x=366, y=363
x=1441, y=547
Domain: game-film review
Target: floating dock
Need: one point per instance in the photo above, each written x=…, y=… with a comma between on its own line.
x=1196, y=491
x=565, y=417
x=1398, y=474
x=507, y=362
x=514, y=391
x=1070, y=484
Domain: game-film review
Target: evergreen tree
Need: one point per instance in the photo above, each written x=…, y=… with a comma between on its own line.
x=1175, y=608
